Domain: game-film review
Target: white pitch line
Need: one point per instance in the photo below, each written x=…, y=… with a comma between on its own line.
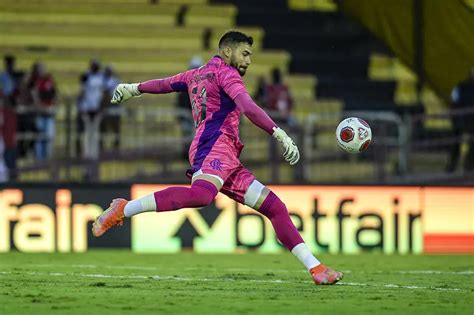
x=462, y=272
x=173, y=278
x=396, y=286
x=437, y=272
x=96, y=266
x=161, y=268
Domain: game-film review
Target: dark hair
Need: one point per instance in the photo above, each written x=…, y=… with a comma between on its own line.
x=234, y=37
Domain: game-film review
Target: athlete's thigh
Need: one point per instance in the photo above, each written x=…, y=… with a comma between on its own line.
x=243, y=187
x=215, y=165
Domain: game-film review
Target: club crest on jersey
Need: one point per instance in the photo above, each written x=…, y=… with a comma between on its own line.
x=216, y=164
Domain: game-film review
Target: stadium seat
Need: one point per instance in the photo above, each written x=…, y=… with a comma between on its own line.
x=65, y=35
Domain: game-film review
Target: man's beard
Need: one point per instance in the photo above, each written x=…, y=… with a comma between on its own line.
x=236, y=66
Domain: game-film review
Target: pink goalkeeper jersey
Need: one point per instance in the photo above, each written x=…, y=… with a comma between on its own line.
x=212, y=89
x=218, y=96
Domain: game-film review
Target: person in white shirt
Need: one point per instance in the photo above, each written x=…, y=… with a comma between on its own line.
x=89, y=100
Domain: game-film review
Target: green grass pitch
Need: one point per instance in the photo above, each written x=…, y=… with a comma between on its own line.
x=121, y=282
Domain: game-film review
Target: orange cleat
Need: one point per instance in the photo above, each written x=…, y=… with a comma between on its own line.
x=324, y=275
x=113, y=215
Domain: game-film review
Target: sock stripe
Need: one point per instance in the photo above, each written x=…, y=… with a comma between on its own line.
x=268, y=202
x=148, y=202
x=302, y=252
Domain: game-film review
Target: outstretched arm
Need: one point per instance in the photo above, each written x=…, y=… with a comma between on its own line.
x=254, y=113
x=125, y=91
x=166, y=85
x=258, y=117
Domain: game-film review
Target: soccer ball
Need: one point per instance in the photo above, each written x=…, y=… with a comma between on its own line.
x=353, y=135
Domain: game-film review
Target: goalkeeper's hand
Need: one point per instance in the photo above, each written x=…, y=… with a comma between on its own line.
x=124, y=92
x=291, y=153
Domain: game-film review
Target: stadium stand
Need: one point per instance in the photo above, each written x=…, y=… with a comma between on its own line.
x=325, y=43
x=139, y=39
x=330, y=63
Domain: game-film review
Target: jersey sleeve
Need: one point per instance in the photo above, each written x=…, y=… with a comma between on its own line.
x=254, y=113
x=176, y=83
x=231, y=82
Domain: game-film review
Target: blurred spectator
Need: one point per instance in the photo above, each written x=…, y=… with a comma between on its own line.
x=112, y=112
x=89, y=101
x=184, y=104
x=3, y=167
x=27, y=113
x=9, y=138
x=260, y=96
x=29, y=85
x=279, y=103
x=44, y=96
x=10, y=80
x=279, y=100
x=462, y=97
x=7, y=82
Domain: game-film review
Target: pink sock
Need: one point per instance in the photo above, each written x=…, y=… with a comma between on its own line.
x=200, y=194
x=274, y=209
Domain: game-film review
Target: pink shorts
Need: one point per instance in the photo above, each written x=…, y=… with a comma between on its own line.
x=221, y=159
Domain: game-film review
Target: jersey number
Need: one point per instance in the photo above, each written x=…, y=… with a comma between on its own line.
x=199, y=98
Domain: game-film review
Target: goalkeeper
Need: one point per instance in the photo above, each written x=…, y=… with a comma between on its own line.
x=218, y=96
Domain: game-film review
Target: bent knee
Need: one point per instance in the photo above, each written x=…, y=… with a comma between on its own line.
x=203, y=193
